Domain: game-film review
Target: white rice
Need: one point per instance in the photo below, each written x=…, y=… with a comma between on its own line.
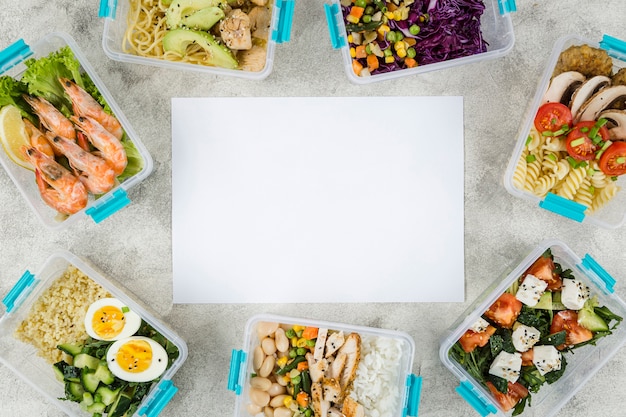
x=376, y=384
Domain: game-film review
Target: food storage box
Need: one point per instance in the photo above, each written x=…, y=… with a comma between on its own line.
x=292, y=366
x=124, y=40
x=580, y=80
x=557, y=385
x=97, y=206
x=416, y=22
x=53, y=282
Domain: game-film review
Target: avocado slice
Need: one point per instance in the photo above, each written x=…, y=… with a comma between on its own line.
x=180, y=9
x=178, y=40
x=203, y=19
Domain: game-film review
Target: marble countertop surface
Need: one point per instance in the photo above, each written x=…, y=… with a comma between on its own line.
x=134, y=246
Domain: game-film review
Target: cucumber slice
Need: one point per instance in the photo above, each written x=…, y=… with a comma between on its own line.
x=66, y=372
x=83, y=360
x=70, y=349
x=556, y=301
x=104, y=374
x=107, y=395
x=89, y=380
x=74, y=391
x=96, y=408
x=545, y=301
x=120, y=406
x=591, y=321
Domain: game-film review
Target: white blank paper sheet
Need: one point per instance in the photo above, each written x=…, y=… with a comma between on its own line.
x=342, y=199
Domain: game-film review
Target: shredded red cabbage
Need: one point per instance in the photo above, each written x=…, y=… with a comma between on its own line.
x=451, y=31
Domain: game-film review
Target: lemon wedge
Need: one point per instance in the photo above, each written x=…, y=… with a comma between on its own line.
x=13, y=135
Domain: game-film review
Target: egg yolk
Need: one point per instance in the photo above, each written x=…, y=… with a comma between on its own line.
x=134, y=356
x=108, y=322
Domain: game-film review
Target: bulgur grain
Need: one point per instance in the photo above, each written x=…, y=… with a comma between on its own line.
x=58, y=315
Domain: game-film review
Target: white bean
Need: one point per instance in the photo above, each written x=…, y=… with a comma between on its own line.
x=278, y=401
x=267, y=367
x=269, y=411
x=258, y=356
x=253, y=409
x=266, y=328
x=282, y=342
x=276, y=389
x=281, y=380
x=258, y=397
x=282, y=412
x=268, y=345
x=261, y=383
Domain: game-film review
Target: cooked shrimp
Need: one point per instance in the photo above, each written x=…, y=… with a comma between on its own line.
x=37, y=139
x=110, y=148
x=85, y=105
x=93, y=171
x=50, y=117
x=59, y=188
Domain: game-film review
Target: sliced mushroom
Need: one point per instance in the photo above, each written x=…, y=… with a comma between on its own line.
x=586, y=91
x=602, y=100
x=562, y=87
x=616, y=123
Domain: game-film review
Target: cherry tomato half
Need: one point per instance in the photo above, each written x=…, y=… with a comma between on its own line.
x=613, y=160
x=574, y=333
x=552, y=117
x=504, y=310
x=580, y=144
x=543, y=268
x=515, y=393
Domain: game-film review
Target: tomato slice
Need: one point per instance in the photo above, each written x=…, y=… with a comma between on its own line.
x=580, y=145
x=613, y=159
x=552, y=117
x=516, y=392
x=504, y=310
x=543, y=268
x=574, y=333
x=471, y=339
x=527, y=357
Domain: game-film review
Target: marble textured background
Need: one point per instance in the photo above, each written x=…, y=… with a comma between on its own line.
x=134, y=246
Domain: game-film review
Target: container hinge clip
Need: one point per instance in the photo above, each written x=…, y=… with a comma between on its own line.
x=20, y=291
x=13, y=54
x=605, y=277
x=163, y=394
x=337, y=40
x=414, y=391
x=107, y=8
x=282, y=33
x=507, y=6
x=481, y=405
x=237, y=358
x=614, y=47
x=564, y=207
x=117, y=201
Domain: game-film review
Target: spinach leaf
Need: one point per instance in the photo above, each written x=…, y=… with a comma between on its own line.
x=554, y=339
x=607, y=315
x=501, y=384
x=553, y=376
x=531, y=378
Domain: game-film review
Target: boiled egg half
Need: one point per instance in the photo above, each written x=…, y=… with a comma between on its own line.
x=111, y=319
x=136, y=359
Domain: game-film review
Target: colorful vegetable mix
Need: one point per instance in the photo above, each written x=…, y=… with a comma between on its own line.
x=519, y=343
x=399, y=34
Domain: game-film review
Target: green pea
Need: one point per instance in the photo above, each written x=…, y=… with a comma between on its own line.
x=399, y=36
x=391, y=36
x=290, y=333
x=366, y=18
x=312, y=342
x=361, y=3
x=411, y=52
x=388, y=52
x=414, y=29
x=369, y=10
x=307, y=412
x=301, y=351
x=368, y=49
x=293, y=353
x=296, y=380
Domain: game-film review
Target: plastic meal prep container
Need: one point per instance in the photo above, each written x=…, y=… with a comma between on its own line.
x=582, y=193
x=495, y=25
x=12, y=64
x=22, y=358
x=582, y=363
x=115, y=12
x=404, y=385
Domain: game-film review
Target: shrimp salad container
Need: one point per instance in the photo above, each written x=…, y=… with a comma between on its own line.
x=534, y=338
x=570, y=155
x=297, y=367
x=386, y=39
x=85, y=344
x=53, y=107
x=221, y=37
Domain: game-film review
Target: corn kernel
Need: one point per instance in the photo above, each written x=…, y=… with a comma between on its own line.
x=383, y=30
x=282, y=361
x=397, y=15
x=294, y=340
x=352, y=19
x=399, y=45
x=350, y=38
x=287, y=401
x=352, y=52
x=301, y=342
x=389, y=59
x=297, y=328
x=389, y=15
x=401, y=52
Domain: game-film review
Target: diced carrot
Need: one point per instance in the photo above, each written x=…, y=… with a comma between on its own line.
x=372, y=62
x=302, y=366
x=357, y=67
x=302, y=399
x=410, y=62
x=310, y=333
x=360, y=52
x=410, y=41
x=357, y=11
